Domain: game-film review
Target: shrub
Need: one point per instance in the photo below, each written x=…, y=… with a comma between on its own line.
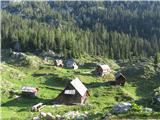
x=135, y=107
x=155, y=99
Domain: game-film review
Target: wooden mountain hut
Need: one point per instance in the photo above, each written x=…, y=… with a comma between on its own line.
x=28, y=91
x=120, y=79
x=74, y=93
x=101, y=70
x=58, y=63
x=71, y=64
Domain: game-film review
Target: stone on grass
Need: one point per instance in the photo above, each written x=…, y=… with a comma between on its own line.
x=158, y=99
x=43, y=114
x=56, y=105
x=58, y=117
x=121, y=107
x=18, y=55
x=49, y=116
x=36, y=118
x=74, y=115
x=147, y=109
x=69, y=115
x=17, y=96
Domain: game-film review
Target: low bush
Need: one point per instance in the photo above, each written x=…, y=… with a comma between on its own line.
x=135, y=107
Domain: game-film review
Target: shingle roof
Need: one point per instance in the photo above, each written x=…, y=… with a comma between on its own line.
x=119, y=74
x=70, y=61
x=28, y=89
x=105, y=67
x=79, y=86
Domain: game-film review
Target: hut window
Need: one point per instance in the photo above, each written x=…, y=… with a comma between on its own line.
x=69, y=92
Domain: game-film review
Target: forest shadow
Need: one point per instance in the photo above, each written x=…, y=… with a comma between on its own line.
x=84, y=74
x=25, y=102
x=42, y=74
x=47, y=64
x=52, y=88
x=144, y=86
x=100, y=84
x=55, y=81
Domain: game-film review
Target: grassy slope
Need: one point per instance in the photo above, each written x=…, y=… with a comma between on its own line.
x=101, y=100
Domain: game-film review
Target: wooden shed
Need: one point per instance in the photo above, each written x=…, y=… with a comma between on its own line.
x=101, y=70
x=28, y=91
x=120, y=79
x=71, y=64
x=74, y=93
x=58, y=63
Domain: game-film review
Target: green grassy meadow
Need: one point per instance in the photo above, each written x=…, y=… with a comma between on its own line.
x=51, y=80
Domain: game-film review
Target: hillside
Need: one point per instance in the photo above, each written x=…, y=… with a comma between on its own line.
x=118, y=30
x=142, y=79
x=113, y=48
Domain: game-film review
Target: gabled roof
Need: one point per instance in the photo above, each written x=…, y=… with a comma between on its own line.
x=70, y=61
x=120, y=74
x=58, y=61
x=28, y=89
x=104, y=67
x=78, y=85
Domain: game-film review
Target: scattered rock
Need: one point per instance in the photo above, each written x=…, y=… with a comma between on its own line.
x=74, y=115
x=58, y=117
x=18, y=55
x=106, y=118
x=49, y=116
x=156, y=95
x=17, y=96
x=56, y=105
x=121, y=107
x=147, y=109
x=85, y=112
x=43, y=114
x=36, y=118
x=158, y=99
x=108, y=114
x=69, y=115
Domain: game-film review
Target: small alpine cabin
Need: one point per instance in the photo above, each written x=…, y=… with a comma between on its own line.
x=28, y=91
x=101, y=70
x=71, y=64
x=74, y=93
x=58, y=63
x=120, y=79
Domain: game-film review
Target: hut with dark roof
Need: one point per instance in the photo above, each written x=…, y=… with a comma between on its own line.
x=71, y=64
x=120, y=79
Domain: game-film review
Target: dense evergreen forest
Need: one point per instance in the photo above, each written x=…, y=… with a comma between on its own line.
x=118, y=30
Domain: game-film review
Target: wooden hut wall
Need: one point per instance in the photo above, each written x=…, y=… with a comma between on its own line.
x=69, y=99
